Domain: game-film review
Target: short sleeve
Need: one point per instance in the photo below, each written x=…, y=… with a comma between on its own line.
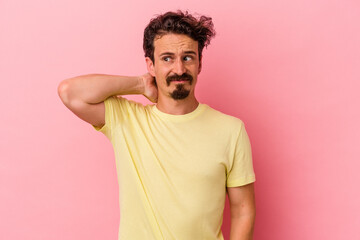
x=116, y=109
x=241, y=171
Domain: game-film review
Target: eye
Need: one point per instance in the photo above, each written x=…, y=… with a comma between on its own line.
x=188, y=58
x=166, y=59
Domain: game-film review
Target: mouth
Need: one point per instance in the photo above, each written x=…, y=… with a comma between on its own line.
x=180, y=81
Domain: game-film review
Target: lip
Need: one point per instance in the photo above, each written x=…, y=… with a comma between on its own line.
x=180, y=81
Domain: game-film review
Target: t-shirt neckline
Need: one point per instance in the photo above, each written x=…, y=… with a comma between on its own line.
x=182, y=117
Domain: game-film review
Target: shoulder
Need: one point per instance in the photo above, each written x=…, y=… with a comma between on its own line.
x=229, y=120
x=122, y=102
x=223, y=123
x=121, y=106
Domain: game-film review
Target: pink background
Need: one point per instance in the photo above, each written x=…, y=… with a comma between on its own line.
x=288, y=69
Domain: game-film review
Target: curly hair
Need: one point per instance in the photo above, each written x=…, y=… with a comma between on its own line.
x=200, y=30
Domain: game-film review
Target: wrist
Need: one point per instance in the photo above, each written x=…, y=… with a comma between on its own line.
x=141, y=84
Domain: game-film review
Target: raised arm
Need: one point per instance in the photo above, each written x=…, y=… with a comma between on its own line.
x=84, y=95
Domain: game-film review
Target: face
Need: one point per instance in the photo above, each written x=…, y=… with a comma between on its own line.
x=176, y=65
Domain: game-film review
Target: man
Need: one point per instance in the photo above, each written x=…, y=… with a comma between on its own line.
x=175, y=159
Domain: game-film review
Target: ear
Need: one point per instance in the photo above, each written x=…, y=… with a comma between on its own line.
x=150, y=66
x=200, y=66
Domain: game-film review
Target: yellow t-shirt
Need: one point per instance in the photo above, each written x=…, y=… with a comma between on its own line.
x=173, y=170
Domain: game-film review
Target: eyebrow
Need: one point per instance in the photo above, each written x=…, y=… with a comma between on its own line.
x=171, y=54
x=190, y=52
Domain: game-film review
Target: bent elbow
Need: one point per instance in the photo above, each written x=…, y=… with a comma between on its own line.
x=63, y=91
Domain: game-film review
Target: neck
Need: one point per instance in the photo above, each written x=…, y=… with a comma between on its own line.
x=177, y=107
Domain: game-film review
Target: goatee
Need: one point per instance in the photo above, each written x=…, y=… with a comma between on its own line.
x=180, y=92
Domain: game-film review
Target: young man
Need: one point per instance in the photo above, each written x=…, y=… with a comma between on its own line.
x=175, y=159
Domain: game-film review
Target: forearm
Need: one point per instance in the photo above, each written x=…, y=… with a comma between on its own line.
x=95, y=88
x=242, y=228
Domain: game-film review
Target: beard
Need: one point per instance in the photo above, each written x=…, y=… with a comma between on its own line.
x=180, y=92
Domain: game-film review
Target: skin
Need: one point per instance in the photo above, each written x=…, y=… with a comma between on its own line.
x=242, y=208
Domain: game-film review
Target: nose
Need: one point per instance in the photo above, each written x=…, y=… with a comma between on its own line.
x=179, y=67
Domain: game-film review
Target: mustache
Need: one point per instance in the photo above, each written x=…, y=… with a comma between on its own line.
x=176, y=77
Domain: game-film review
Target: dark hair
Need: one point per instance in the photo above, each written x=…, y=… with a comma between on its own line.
x=200, y=30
